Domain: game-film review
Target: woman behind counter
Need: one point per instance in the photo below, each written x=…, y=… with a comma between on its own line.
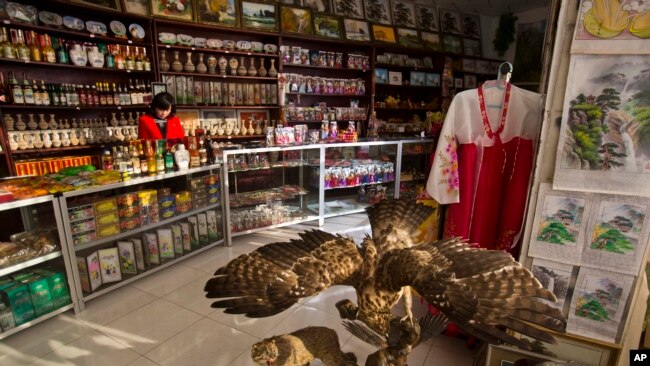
x=161, y=121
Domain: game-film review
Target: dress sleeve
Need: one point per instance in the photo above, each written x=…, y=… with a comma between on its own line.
x=443, y=182
x=142, y=128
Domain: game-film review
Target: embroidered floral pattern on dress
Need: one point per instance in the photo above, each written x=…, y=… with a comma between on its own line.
x=449, y=166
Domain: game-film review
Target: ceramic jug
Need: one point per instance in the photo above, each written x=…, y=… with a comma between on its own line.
x=47, y=142
x=13, y=141
x=38, y=143
x=212, y=64
x=56, y=140
x=163, y=65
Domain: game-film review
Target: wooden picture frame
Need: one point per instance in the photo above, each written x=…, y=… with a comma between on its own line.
x=177, y=235
x=295, y=20
x=468, y=65
x=356, y=30
x=348, y=8
x=151, y=250
x=432, y=79
x=186, y=235
x=157, y=88
x=194, y=232
x=321, y=6
x=471, y=25
x=127, y=257
x=104, y=4
x=382, y=33
x=226, y=16
x=471, y=47
x=378, y=11
x=431, y=41
x=139, y=7
x=450, y=22
x=427, y=17
x=416, y=78
x=403, y=13
x=470, y=81
x=394, y=78
x=140, y=262
x=381, y=76
x=109, y=263
x=453, y=44
x=165, y=244
x=408, y=38
x=159, y=9
x=328, y=26
x=250, y=19
x=202, y=222
x=250, y=115
x=213, y=230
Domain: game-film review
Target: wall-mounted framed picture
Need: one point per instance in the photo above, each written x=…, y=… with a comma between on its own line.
x=483, y=67
x=106, y=4
x=378, y=11
x=395, y=77
x=408, y=38
x=252, y=118
x=328, y=26
x=431, y=41
x=381, y=76
x=468, y=65
x=471, y=25
x=452, y=44
x=403, y=13
x=321, y=6
x=427, y=17
x=356, y=30
x=295, y=20
x=177, y=9
x=470, y=81
x=140, y=7
x=157, y=88
x=189, y=119
x=127, y=257
x=450, y=22
x=224, y=13
x=109, y=263
x=432, y=79
x=349, y=8
x=260, y=16
x=382, y=33
x=471, y=47
x=417, y=78
x=458, y=83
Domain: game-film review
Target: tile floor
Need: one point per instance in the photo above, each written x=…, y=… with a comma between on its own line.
x=164, y=319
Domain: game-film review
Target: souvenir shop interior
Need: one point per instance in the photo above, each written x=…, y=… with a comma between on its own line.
x=341, y=182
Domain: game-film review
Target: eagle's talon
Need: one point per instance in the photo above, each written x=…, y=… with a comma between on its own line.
x=347, y=309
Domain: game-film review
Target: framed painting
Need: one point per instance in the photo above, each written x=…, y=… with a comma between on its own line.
x=140, y=7
x=224, y=13
x=157, y=88
x=403, y=13
x=109, y=264
x=165, y=244
x=321, y=6
x=381, y=76
x=450, y=22
x=260, y=16
x=140, y=262
x=432, y=79
x=178, y=9
x=295, y=20
x=416, y=78
x=471, y=24
x=427, y=17
x=408, y=38
x=382, y=33
x=378, y=11
x=452, y=44
x=395, y=78
x=106, y=4
x=431, y=41
x=356, y=30
x=468, y=65
x=471, y=47
x=189, y=119
x=349, y=8
x=482, y=67
x=252, y=118
x=127, y=257
x=328, y=26
x=458, y=83
x=152, y=252
x=559, y=225
x=604, y=140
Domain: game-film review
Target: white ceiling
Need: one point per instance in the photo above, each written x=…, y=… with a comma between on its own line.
x=489, y=7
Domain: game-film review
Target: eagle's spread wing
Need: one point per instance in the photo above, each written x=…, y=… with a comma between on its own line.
x=274, y=277
x=483, y=291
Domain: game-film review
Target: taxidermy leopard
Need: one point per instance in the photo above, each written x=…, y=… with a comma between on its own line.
x=301, y=347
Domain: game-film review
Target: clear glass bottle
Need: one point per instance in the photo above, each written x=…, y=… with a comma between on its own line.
x=139, y=65
x=120, y=61
x=129, y=59
x=151, y=158
x=8, y=49
x=160, y=159
x=144, y=167
x=182, y=157
x=135, y=161
x=16, y=89
x=28, y=91
x=203, y=154
x=22, y=50
x=146, y=63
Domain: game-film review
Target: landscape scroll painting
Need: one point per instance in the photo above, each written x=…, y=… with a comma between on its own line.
x=598, y=302
x=605, y=134
x=617, y=233
x=559, y=226
x=555, y=277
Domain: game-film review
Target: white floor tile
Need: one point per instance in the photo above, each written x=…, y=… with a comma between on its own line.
x=192, y=297
x=165, y=281
x=210, y=260
x=143, y=361
x=32, y=343
x=93, y=349
x=257, y=327
x=118, y=303
x=150, y=325
x=204, y=343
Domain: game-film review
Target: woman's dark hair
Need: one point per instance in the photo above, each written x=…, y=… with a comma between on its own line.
x=163, y=101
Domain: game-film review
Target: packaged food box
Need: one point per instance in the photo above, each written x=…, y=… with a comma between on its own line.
x=166, y=201
x=148, y=197
x=129, y=224
x=200, y=203
x=211, y=179
x=108, y=230
x=107, y=218
x=84, y=237
x=199, y=194
x=168, y=212
x=186, y=236
x=128, y=200
x=82, y=226
x=213, y=188
x=165, y=191
x=80, y=213
x=58, y=286
x=214, y=198
x=213, y=233
x=194, y=232
x=129, y=212
x=151, y=217
x=203, y=228
x=21, y=302
x=197, y=183
x=183, y=197
x=39, y=290
x=177, y=234
x=106, y=205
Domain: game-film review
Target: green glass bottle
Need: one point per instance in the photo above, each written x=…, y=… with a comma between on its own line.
x=169, y=161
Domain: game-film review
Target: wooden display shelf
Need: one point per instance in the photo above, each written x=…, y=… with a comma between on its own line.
x=237, y=137
x=54, y=150
x=406, y=86
x=329, y=95
x=402, y=109
x=66, y=66
x=46, y=107
x=175, y=24
x=216, y=50
x=406, y=68
x=203, y=106
x=344, y=69
x=218, y=76
x=81, y=34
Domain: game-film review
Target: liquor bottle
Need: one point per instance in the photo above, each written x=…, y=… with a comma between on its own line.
x=83, y=97
x=96, y=98
x=109, y=58
x=102, y=96
x=17, y=96
x=151, y=159
x=63, y=99
x=132, y=93
x=107, y=160
x=120, y=61
x=203, y=154
x=45, y=95
x=144, y=167
x=194, y=153
x=138, y=60
x=8, y=49
x=48, y=52
x=19, y=42
x=182, y=157
x=128, y=163
x=146, y=63
x=139, y=96
x=130, y=61
x=147, y=98
x=208, y=150
x=169, y=161
x=160, y=159
x=35, y=53
x=109, y=95
x=54, y=98
x=28, y=91
x=62, y=53
x=4, y=95
x=38, y=97
x=124, y=95
x=135, y=161
x=116, y=96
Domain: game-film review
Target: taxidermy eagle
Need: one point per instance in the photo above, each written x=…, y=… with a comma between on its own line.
x=485, y=292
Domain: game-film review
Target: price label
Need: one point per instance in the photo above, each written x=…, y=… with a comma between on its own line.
x=128, y=71
x=7, y=22
x=78, y=108
x=92, y=35
x=129, y=41
x=193, y=49
x=168, y=46
x=119, y=107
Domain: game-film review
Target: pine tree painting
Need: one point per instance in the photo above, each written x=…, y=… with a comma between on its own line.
x=349, y=8
x=427, y=17
x=377, y=11
x=403, y=14
x=450, y=22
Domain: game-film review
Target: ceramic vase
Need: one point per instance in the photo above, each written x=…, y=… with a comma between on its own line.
x=22, y=145
x=95, y=58
x=13, y=141
x=241, y=70
x=74, y=123
x=66, y=124
x=65, y=138
x=47, y=142
x=123, y=120
x=212, y=64
x=74, y=140
x=258, y=128
x=42, y=123
x=233, y=66
x=130, y=121
x=261, y=71
x=20, y=125
x=201, y=68
x=38, y=143
x=82, y=137
x=52, y=124
x=272, y=71
x=31, y=123
x=252, y=71
x=177, y=66
x=189, y=66
x=163, y=65
x=78, y=56
x=114, y=121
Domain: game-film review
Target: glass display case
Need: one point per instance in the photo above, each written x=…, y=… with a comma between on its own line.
x=269, y=187
x=414, y=166
x=124, y=231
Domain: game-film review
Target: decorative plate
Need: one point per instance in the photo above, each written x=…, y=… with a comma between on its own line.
x=137, y=32
x=50, y=18
x=213, y=43
x=228, y=44
x=185, y=40
x=427, y=62
x=96, y=27
x=270, y=48
x=73, y=23
x=22, y=13
x=257, y=46
x=118, y=28
x=243, y=45
x=199, y=41
x=167, y=38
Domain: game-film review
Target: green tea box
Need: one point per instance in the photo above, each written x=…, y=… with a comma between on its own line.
x=58, y=286
x=21, y=303
x=39, y=290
